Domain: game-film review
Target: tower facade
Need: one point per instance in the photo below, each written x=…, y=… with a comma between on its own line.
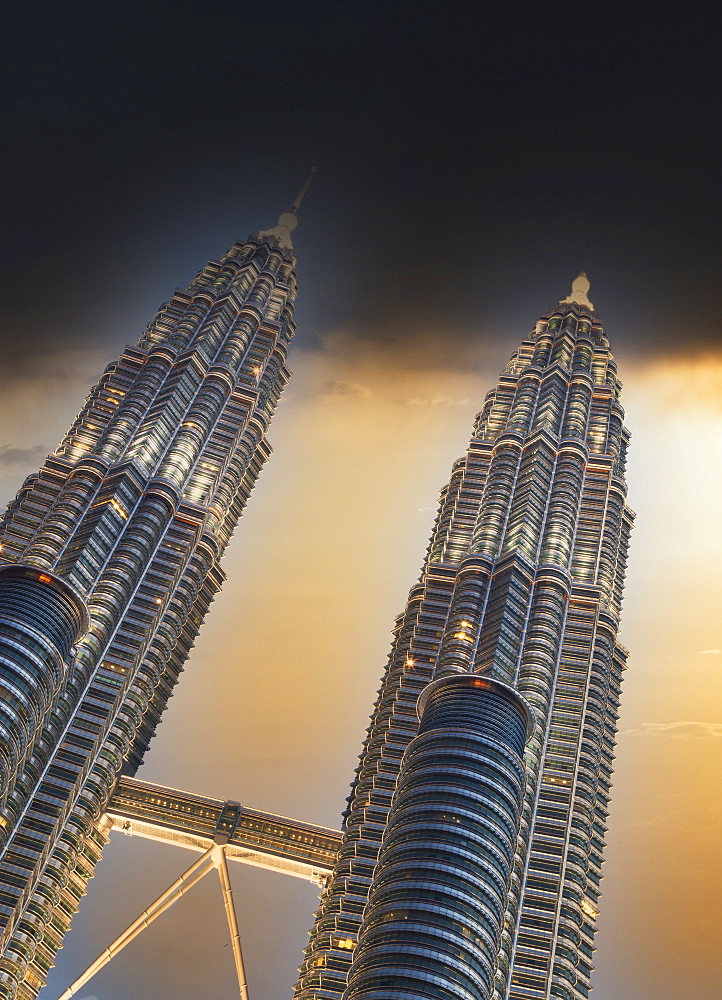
x=109, y=560
x=521, y=587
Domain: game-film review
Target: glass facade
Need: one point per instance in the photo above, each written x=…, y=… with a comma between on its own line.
x=111, y=554
x=522, y=583
x=437, y=901
x=40, y=619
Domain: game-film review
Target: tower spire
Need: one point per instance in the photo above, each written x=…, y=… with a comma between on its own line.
x=302, y=193
x=288, y=221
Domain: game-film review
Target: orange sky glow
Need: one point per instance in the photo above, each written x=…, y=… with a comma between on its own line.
x=276, y=696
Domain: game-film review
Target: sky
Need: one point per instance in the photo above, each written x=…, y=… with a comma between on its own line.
x=470, y=163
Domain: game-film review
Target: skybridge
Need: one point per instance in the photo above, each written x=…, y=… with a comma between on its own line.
x=220, y=832
x=142, y=809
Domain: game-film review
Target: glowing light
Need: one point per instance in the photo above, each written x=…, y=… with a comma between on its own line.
x=118, y=508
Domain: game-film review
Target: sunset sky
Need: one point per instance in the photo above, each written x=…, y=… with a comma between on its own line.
x=467, y=172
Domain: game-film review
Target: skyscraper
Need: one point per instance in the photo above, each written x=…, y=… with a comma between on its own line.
x=520, y=590
x=109, y=560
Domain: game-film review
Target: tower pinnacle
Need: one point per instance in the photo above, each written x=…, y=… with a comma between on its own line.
x=288, y=221
x=580, y=287
x=302, y=193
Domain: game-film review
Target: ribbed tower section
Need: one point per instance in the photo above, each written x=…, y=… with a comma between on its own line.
x=437, y=901
x=522, y=583
x=110, y=561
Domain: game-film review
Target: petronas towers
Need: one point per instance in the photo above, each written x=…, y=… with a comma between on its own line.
x=470, y=857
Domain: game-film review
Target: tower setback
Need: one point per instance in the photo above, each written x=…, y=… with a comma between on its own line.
x=522, y=584
x=109, y=560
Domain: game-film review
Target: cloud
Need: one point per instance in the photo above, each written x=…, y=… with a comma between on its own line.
x=660, y=819
x=684, y=813
x=709, y=652
x=678, y=730
x=341, y=388
x=10, y=457
x=412, y=342
x=76, y=367
x=436, y=401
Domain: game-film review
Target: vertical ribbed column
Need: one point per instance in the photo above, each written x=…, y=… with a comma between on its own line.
x=140, y=395
x=438, y=896
x=70, y=506
x=40, y=619
x=467, y=609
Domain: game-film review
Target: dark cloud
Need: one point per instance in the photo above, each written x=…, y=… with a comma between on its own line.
x=11, y=457
x=469, y=165
x=340, y=388
x=472, y=159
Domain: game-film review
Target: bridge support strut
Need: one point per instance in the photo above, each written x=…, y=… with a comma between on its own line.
x=214, y=858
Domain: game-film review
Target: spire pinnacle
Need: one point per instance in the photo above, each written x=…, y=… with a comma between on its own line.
x=302, y=193
x=288, y=221
x=580, y=287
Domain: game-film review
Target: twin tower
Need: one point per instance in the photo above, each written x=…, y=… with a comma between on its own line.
x=470, y=857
